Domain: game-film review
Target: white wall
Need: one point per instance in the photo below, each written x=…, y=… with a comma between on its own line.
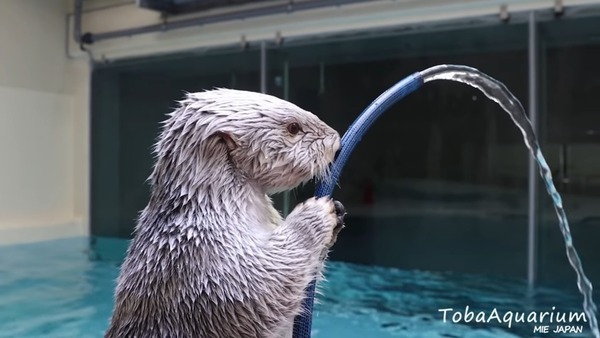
x=43, y=128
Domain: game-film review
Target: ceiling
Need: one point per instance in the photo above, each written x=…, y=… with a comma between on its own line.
x=190, y=6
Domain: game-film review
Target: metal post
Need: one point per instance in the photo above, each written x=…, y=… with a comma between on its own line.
x=263, y=67
x=233, y=80
x=321, y=77
x=286, y=80
x=533, y=176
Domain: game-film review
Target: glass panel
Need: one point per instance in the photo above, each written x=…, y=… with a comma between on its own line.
x=130, y=102
x=440, y=181
x=572, y=127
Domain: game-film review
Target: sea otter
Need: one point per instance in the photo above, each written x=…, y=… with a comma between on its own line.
x=211, y=257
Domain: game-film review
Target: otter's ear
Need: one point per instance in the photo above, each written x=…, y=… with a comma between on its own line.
x=229, y=139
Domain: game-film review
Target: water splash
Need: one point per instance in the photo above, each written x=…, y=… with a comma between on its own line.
x=498, y=93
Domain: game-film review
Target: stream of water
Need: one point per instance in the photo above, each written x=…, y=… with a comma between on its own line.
x=497, y=92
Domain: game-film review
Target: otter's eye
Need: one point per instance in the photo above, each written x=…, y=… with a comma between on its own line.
x=293, y=128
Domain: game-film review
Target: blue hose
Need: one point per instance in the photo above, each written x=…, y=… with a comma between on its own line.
x=303, y=323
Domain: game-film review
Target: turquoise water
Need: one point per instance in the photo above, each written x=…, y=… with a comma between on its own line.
x=63, y=289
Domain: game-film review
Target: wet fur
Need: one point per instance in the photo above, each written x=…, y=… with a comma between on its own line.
x=211, y=257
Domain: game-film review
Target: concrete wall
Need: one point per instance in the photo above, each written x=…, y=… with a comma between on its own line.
x=43, y=133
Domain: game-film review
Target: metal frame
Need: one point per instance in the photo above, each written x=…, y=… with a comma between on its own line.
x=535, y=16
x=532, y=220
x=278, y=8
x=263, y=67
x=533, y=207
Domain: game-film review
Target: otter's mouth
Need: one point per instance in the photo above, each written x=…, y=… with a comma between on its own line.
x=324, y=169
x=336, y=154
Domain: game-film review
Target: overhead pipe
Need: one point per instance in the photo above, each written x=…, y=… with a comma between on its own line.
x=77, y=10
x=281, y=8
x=81, y=39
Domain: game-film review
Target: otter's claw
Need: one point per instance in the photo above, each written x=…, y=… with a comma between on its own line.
x=340, y=213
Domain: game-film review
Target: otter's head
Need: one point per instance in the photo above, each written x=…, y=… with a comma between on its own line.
x=271, y=142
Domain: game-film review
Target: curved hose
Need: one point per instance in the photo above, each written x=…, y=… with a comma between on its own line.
x=495, y=91
x=303, y=323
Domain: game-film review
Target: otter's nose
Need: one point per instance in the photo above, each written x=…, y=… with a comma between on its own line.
x=336, y=144
x=337, y=153
x=333, y=141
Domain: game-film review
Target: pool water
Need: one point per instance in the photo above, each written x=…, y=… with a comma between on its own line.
x=63, y=289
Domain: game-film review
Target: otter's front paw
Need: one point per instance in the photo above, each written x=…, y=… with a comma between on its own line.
x=340, y=213
x=323, y=217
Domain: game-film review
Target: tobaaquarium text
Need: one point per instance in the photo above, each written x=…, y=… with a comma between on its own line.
x=544, y=322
